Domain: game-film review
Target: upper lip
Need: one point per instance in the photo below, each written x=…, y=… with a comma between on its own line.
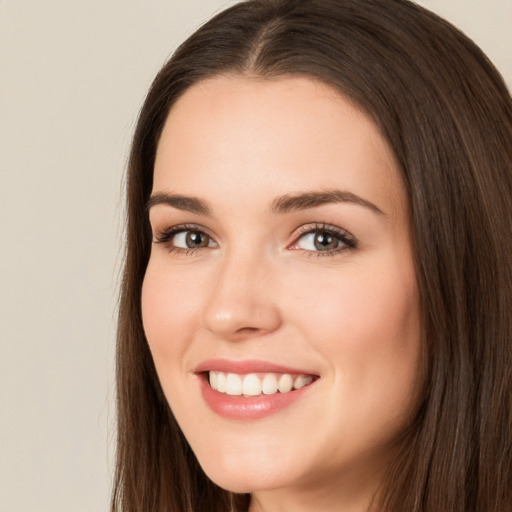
x=247, y=366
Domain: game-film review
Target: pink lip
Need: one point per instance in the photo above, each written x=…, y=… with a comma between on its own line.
x=247, y=366
x=247, y=408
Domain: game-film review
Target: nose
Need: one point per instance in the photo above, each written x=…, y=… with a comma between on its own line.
x=241, y=303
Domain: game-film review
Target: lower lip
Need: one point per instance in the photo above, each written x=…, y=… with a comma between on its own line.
x=249, y=408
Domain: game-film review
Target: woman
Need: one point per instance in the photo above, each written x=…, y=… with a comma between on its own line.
x=316, y=303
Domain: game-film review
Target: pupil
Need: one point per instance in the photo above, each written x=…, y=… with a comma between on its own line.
x=195, y=239
x=325, y=241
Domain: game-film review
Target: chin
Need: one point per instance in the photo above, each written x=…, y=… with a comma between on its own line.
x=242, y=482
x=243, y=474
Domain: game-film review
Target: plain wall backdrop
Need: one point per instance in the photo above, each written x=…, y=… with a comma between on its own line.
x=73, y=75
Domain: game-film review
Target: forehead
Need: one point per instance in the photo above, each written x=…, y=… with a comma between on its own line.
x=275, y=136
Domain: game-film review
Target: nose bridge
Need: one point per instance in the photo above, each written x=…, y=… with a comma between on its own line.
x=241, y=300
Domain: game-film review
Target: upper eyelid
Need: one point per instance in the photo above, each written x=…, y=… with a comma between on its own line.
x=315, y=227
x=301, y=230
x=181, y=227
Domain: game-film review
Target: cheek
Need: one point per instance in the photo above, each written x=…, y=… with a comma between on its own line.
x=367, y=325
x=168, y=315
x=357, y=308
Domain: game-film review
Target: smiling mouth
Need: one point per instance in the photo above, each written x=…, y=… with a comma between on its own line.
x=256, y=384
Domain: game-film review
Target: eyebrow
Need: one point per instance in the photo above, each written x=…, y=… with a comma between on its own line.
x=303, y=201
x=283, y=204
x=188, y=204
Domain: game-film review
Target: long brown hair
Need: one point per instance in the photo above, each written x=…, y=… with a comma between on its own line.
x=447, y=115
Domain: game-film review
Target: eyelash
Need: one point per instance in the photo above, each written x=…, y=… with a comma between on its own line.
x=350, y=243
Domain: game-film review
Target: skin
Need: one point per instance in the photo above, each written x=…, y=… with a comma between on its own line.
x=262, y=290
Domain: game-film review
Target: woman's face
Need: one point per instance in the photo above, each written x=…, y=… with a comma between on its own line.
x=281, y=257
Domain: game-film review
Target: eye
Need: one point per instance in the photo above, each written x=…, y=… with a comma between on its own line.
x=325, y=239
x=184, y=238
x=192, y=240
x=319, y=241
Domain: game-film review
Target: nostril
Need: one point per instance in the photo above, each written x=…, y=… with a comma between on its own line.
x=247, y=329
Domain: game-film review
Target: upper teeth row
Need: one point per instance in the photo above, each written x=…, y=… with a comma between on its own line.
x=254, y=384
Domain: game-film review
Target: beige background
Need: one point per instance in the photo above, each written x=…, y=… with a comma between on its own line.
x=73, y=74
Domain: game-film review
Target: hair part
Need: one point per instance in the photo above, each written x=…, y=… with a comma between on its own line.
x=447, y=115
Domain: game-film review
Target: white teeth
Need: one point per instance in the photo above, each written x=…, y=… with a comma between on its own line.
x=269, y=384
x=254, y=384
x=251, y=385
x=301, y=381
x=233, y=384
x=213, y=379
x=221, y=382
x=285, y=383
